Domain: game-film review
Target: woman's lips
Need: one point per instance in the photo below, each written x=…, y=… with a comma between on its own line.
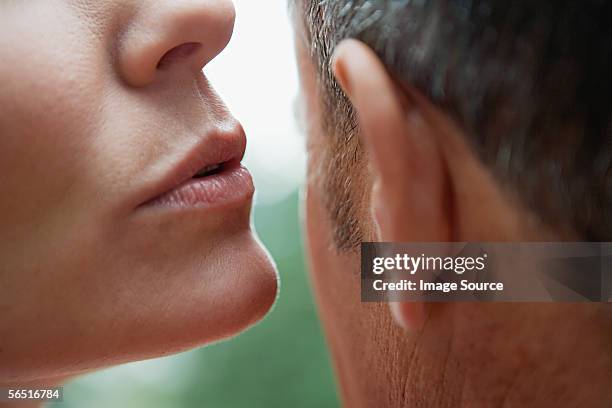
x=208, y=175
x=231, y=185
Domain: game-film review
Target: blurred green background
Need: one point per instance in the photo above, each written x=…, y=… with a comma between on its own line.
x=281, y=362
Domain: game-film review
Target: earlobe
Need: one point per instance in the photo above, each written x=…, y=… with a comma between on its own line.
x=410, y=184
x=410, y=315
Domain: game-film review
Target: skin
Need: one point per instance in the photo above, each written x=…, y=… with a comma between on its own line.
x=443, y=355
x=100, y=99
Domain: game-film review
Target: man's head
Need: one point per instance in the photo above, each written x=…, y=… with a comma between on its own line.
x=527, y=82
x=455, y=120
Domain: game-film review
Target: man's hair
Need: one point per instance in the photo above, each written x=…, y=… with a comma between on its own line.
x=528, y=82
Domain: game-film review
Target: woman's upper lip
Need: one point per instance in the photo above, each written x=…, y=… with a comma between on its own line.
x=217, y=147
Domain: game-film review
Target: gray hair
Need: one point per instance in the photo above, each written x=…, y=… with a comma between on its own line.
x=528, y=81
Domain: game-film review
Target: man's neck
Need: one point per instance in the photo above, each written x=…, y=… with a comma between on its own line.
x=479, y=355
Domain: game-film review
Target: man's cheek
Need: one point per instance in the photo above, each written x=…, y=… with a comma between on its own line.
x=318, y=232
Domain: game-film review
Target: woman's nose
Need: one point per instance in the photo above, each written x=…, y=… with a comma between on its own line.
x=173, y=34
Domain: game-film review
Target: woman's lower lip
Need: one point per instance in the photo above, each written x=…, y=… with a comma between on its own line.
x=232, y=185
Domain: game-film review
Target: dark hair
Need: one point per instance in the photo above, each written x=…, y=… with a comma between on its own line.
x=528, y=81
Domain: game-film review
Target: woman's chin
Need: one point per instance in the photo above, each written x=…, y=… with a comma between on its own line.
x=235, y=292
x=247, y=293
x=168, y=305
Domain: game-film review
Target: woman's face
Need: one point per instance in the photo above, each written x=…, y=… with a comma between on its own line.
x=111, y=249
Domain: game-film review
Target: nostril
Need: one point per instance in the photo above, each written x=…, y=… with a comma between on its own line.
x=177, y=53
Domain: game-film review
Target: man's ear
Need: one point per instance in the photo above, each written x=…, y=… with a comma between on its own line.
x=410, y=193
